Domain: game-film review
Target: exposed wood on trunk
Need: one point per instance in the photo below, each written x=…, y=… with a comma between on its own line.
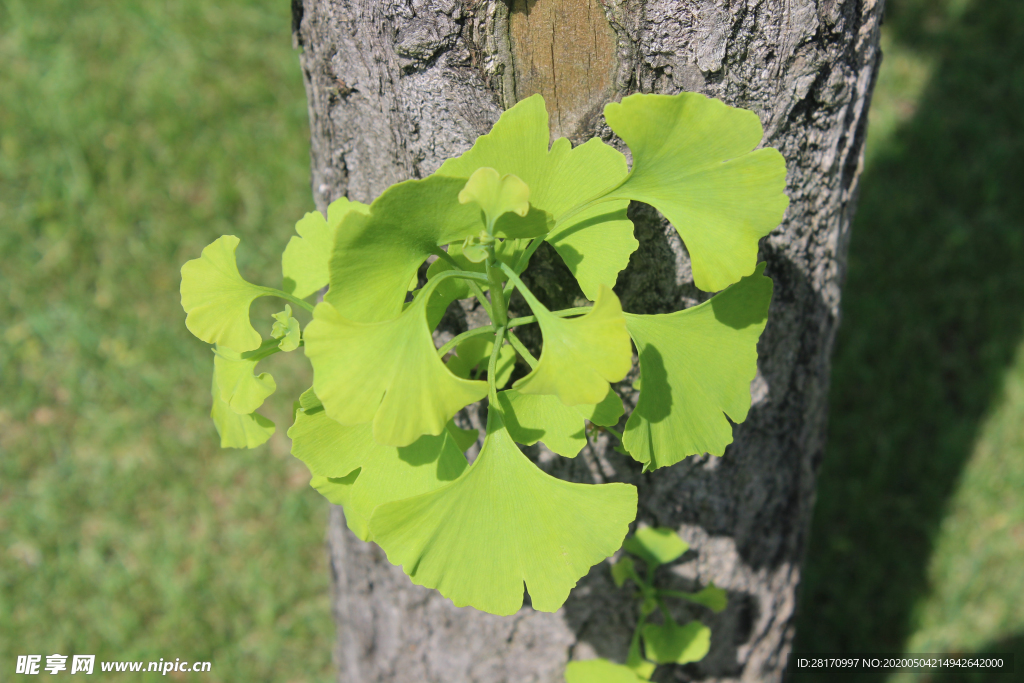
x=397, y=86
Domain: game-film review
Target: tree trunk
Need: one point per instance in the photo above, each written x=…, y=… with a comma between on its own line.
x=397, y=86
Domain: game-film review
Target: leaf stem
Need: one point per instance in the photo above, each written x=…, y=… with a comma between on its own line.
x=458, y=339
x=533, y=302
x=498, y=304
x=270, y=291
x=614, y=432
x=564, y=313
x=492, y=368
x=522, y=350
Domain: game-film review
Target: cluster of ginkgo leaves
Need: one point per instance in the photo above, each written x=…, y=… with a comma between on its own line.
x=376, y=427
x=664, y=643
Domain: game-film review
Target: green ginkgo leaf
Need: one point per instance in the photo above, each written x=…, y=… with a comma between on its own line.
x=595, y=243
x=599, y=671
x=238, y=431
x=581, y=355
x=606, y=413
x=671, y=643
x=656, y=545
x=387, y=372
x=475, y=352
x=350, y=469
x=542, y=417
x=305, y=260
x=694, y=159
x=696, y=366
x=622, y=570
x=376, y=255
x=287, y=329
x=216, y=298
x=502, y=523
x=464, y=438
x=236, y=384
x=496, y=194
x=711, y=596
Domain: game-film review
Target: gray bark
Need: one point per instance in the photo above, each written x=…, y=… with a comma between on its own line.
x=397, y=86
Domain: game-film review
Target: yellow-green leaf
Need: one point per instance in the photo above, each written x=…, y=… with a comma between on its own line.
x=238, y=431
x=502, y=523
x=581, y=355
x=694, y=159
x=542, y=417
x=216, y=298
x=305, y=260
x=237, y=386
x=696, y=367
x=386, y=372
x=675, y=644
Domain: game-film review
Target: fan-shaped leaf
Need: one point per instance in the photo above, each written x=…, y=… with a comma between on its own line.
x=622, y=570
x=675, y=644
x=305, y=260
x=387, y=372
x=599, y=671
x=287, y=329
x=694, y=160
x=580, y=355
x=216, y=299
x=542, y=417
x=696, y=367
x=496, y=194
x=606, y=413
x=594, y=243
x=656, y=545
x=503, y=522
x=238, y=431
x=237, y=386
x=350, y=469
x=376, y=255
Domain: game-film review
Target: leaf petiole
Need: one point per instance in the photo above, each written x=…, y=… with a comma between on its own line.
x=458, y=339
x=270, y=291
x=564, y=313
x=522, y=350
x=492, y=368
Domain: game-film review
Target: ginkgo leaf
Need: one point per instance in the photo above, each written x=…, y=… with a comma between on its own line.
x=216, y=298
x=350, y=469
x=696, y=366
x=376, y=255
x=656, y=545
x=596, y=242
x=596, y=245
x=606, y=413
x=502, y=523
x=387, y=372
x=305, y=260
x=599, y=671
x=476, y=351
x=464, y=438
x=238, y=431
x=542, y=417
x=711, y=596
x=694, y=159
x=671, y=643
x=287, y=329
x=622, y=570
x=235, y=382
x=581, y=355
x=496, y=194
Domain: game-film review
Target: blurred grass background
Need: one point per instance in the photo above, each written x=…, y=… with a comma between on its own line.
x=134, y=133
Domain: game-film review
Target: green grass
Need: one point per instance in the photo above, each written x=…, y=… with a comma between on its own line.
x=918, y=538
x=131, y=135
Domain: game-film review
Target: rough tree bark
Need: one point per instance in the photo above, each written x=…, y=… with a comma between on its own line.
x=397, y=86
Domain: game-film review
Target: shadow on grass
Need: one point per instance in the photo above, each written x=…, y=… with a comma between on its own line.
x=933, y=310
